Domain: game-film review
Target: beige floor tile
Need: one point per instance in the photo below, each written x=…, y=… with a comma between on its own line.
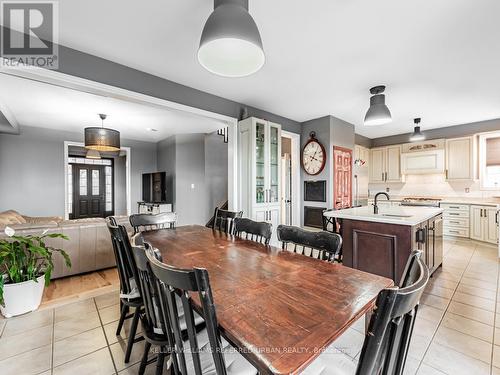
x=496, y=356
x=425, y=328
x=350, y=342
x=110, y=331
x=475, y=301
x=118, y=352
x=439, y=291
x=96, y=363
x=77, y=309
x=134, y=369
x=428, y=370
x=411, y=366
x=359, y=325
x=468, y=326
x=464, y=344
x=418, y=346
x=29, y=363
x=472, y=312
x=496, y=339
x=489, y=278
x=452, y=362
x=497, y=320
x=478, y=283
x=445, y=275
x=495, y=371
x=434, y=301
x=28, y=322
x=77, y=324
x=110, y=314
x=107, y=300
x=23, y=342
x=429, y=313
x=479, y=292
x=76, y=346
x=2, y=325
x=443, y=283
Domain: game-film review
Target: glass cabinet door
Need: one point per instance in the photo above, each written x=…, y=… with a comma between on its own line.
x=260, y=170
x=274, y=161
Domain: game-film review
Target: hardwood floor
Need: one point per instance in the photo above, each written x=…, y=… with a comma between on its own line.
x=79, y=287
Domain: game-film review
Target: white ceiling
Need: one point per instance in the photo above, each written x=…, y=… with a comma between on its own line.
x=38, y=104
x=439, y=59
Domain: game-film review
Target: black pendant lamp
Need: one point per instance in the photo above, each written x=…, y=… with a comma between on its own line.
x=378, y=113
x=102, y=139
x=417, y=134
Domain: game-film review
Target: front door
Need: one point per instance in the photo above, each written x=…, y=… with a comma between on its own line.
x=88, y=191
x=342, y=174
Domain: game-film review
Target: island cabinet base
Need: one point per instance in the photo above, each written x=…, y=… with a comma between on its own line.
x=378, y=248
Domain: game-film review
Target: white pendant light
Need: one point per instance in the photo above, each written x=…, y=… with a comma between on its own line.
x=417, y=134
x=230, y=43
x=378, y=113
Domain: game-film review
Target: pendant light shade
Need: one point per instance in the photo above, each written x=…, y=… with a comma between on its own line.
x=417, y=134
x=102, y=139
x=378, y=113
x=93, y=154
x=230, y=43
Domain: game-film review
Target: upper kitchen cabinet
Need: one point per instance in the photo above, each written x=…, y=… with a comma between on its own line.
x=260, y=162
x=423, y=157
x=362, y=156
x=460, y=159
x=385, y=164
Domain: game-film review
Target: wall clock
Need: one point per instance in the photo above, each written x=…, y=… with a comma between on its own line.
x=313, y=156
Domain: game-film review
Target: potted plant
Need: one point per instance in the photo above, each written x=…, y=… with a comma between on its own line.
x=25, y=269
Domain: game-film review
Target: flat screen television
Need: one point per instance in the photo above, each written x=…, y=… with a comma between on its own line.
x=156, y=188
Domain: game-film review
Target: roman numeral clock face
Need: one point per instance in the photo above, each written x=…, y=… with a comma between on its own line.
x=313, y=157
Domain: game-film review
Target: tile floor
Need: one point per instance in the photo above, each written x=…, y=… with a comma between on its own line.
x=457, y=330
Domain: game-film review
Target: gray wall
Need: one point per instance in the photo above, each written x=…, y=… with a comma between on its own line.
x=447, y=132
x=216, y=171
x=120, y=168
x=32, y=170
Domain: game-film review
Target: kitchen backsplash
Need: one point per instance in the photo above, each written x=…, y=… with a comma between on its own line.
x=433, y=185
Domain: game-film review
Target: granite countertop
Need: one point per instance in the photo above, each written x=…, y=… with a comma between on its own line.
x=400, y=215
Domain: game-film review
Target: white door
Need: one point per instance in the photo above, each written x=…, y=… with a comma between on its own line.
x=377, y=165
x=274, y=219
x=491, y=229
x=476, y=223
x=459, y=164
x=260, y=214
x=393, y=164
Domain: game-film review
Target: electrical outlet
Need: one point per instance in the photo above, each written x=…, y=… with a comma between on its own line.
x=387, y=189
x=467, y=190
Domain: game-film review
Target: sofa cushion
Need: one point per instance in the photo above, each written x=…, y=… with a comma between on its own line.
x=42, y=220
x=13, y=217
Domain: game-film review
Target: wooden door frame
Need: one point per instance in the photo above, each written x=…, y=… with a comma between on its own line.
x=344, y=149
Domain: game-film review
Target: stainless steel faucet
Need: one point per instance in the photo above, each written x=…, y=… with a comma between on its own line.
x=375, y=207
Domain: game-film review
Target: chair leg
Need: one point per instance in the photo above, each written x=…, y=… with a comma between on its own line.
x=144, y=360
x=123, y=314
x=131, y=337
x=159, y=362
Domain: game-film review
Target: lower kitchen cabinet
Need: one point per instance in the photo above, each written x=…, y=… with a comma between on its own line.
x=483, y=224
x=456, y=219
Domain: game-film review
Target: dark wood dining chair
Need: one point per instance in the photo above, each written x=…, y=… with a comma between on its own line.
x=257, y=231
x=330, y=224
x=389, y=333
x=320, y=245
x=146, y=222
x=224, y=220
x=130, y=296
x=205, y=351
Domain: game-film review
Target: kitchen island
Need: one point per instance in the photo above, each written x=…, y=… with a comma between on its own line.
x=381, y=243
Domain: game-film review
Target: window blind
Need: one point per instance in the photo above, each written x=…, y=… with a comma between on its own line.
x=493, y=152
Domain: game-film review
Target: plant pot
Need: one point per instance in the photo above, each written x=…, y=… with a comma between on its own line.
x=22, y=297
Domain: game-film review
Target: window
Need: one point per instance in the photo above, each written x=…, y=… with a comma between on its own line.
x=489, y=160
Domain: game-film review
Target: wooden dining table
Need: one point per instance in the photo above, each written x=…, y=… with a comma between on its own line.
x=279, y=308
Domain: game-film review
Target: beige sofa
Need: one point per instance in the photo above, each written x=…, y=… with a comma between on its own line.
x=89, y=245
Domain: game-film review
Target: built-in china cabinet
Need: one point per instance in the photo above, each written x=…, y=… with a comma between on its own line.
x=259, y=145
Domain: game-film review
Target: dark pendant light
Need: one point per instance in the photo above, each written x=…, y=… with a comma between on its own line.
x=417, y=134
x=378, y=113
x=230, y=43
x=102, y=139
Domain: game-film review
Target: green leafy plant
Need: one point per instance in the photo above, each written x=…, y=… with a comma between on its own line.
x=24, y=258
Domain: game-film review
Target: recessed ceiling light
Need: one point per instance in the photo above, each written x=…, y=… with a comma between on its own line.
x=151, y=129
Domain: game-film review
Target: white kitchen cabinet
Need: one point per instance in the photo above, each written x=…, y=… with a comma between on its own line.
x=456, y=219
x=362, y=153
x=259, y=147
x=460, y=159
x=385, y=164
x=483, y=226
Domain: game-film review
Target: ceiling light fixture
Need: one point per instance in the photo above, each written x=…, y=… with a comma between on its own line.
x=102, y=139
x=378, y=113
x=417, y=134
x=230, y=44
x=93, y=154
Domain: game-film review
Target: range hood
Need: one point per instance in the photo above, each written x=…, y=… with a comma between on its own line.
x=425, y=157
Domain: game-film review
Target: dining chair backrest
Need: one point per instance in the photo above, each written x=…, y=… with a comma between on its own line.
x=320, y=245
x=411, y=271
x=329, y=223
x=391, y=326
x=258, y=231
x=224, y=220
x=171, y=282
x=146, y=222
x=127, y=271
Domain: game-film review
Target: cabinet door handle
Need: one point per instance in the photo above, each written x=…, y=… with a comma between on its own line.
x=496, y=217
x=453, y=214
x=446, y=174
x=383, y=176
x=454, y=207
